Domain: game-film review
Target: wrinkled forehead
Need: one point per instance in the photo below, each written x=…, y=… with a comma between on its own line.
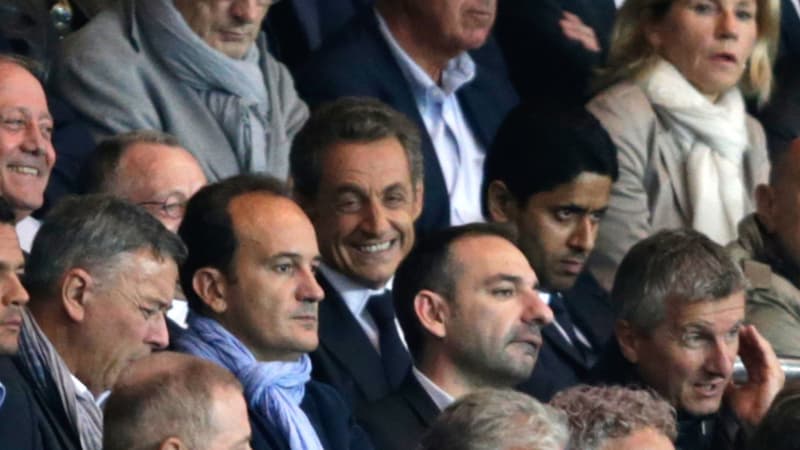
x=19, y=88
x=713, y=313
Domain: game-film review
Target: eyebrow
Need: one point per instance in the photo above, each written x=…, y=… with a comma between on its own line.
x=28, y=112
x=293, y=256
x=504, y=277
x=11, y=266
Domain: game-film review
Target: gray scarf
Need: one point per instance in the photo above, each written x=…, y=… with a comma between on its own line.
x=234, y=91
x=51, y=376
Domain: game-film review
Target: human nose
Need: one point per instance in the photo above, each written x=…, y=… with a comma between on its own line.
x=536, y=310
x=720, y=358
x=583, y=235
x=157, y=334
x=246, y=10
x=14, y=293
x=34, y=140
x=375, y=220
x=728, y=25
x=309, y=289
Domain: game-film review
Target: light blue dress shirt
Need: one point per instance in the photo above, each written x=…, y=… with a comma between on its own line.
x=459, y=153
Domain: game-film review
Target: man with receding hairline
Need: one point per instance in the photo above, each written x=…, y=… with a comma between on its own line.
x=172, y=401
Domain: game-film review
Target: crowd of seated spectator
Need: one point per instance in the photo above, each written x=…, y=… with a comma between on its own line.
x=399, y=224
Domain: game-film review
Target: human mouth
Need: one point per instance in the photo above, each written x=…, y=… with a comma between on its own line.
x=572, y=266
x=708, y=390
x=725, y=58
x=232, y=35
x=377, y=247
x=13, y=322
x=24, y=170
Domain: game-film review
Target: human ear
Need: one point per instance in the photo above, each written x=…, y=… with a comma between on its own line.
x=628, y=340
x=501, y=204
x=77, y=288
x=432, y=312
x=211, y=285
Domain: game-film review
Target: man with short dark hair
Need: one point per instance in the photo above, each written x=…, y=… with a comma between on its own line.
x=13, y=296
x=101, y=276
x=253, y=298
x=467, y=303
x=680, y=308
x=176, y=401
x=357, y=172
x=202, y=73
x=554, y=190
x=436, y=63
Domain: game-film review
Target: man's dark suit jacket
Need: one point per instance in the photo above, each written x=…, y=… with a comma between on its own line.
x=790, y=33
x=345, y=358
x=559, y=366
x=546, y=67
x=357, y=61
x=328, y=414
x=398, y=421
x=295, y=28
x=28, y=420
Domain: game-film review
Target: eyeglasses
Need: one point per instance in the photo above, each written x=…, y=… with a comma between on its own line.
x=174, y=206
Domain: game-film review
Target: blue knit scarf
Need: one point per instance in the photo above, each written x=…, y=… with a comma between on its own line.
x=273, y=390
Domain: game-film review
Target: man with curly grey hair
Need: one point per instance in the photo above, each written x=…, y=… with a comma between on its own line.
x=497, y=419
x=617, y=418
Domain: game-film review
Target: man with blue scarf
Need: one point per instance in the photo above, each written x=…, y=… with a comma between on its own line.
x=253, y=299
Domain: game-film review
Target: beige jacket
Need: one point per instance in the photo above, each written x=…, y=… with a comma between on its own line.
x=651, y=192
x=773, y=300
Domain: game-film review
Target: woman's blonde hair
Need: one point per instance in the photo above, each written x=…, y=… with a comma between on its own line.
x=631, y=54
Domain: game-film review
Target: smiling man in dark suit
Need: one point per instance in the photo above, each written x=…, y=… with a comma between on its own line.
x=357, y=172
x=554, y=191
x=430, y=60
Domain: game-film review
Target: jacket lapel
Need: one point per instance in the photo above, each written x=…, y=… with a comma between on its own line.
x=342, y=336
x=556, y=341
x=419, y=400
x=672, y=162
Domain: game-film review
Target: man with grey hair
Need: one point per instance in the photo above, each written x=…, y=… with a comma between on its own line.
x=680, y=305
x=101, y=276
x=496, y=419
x=617, y=418
x=176, y=401
x=197, y=69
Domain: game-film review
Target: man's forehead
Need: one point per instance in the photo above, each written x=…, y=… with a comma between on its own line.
x=490, y=255
x=712, y=313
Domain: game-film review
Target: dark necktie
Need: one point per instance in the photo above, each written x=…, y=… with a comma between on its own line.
x=395, y=358
x=562, y=316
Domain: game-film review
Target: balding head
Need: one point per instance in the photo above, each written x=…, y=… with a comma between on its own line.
x=148, y=168
x=170, y=398
x=26, y=149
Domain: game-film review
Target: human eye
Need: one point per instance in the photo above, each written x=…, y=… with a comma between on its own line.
x=13, y=120
x=148, y=312
x=745, y=14
x=564, y=214
x=284, y=267
x=597, y=216
x=395, y=199
x=733, y=333
x=703, y=7
x=503, y=291
x=693, y=339
x=46, y=129
x=348, y=203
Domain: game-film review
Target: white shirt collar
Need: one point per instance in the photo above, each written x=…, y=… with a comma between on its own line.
x=355, y=295
x=26, y=231
x=440, y=398
x=82, y=391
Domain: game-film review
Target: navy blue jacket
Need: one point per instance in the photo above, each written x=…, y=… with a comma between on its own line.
x=558, y=365
x=29, y=419
x=357, y=61
x=328, y=414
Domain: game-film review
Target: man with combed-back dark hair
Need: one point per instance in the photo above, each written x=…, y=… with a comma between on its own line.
x=554, y=191
x=171, y=401
x=253, y=298
x=466, y=300
x=680, y=309
x=357, y=172
x=617, y=418
x=101, y=276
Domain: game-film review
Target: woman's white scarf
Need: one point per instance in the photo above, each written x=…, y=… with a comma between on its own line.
x=713, y=137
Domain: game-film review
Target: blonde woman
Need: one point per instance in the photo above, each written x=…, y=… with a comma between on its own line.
x=689, y=154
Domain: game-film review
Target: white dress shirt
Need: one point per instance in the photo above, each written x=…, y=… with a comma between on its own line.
x=440, y=398
x=356, y=296
x=82, y=391
x=26, y=231
x=459, y=153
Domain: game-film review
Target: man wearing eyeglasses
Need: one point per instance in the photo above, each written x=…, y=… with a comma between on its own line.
x=101, y=275
x=149, y=168
x=197, y=69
